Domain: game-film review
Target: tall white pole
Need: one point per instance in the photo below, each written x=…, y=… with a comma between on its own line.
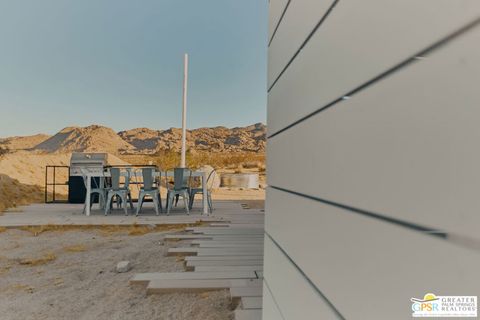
x=184, y=111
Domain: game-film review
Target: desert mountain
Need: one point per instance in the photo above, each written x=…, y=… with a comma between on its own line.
x=218, y=139
x=21, y=143
x=143, y=140
x=88, y=139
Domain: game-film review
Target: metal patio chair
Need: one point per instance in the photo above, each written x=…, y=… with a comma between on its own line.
x=149, y=189
x=99, y=188
x=181, y=181
x=119, y=192
x=194, y=191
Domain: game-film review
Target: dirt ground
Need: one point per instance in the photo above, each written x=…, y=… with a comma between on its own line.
x=71, y=275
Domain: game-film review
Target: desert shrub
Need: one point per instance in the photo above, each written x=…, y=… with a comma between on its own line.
x=169, y=159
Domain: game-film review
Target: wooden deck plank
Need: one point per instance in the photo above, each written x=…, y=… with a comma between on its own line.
x=228, y=268
x=249, y=303
x=226, y=263
x=186, y=236
x=224, y=258
x=239, y=240
x=167, y=286
x=229, y=251
x=254, y=314
x=238, y=225
x=225, y=230
x=196, y=285
x=242, y=291
x=216, y=251
x=143, y=278
x=212, y=244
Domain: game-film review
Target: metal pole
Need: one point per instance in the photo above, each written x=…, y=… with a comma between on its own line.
x=184, y=111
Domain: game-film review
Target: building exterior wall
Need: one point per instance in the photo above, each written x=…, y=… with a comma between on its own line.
x=373, y=156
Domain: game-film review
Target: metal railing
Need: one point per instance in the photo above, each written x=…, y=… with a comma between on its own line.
x=52, y=185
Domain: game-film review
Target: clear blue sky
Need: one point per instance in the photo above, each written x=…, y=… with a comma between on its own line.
x=119, y=63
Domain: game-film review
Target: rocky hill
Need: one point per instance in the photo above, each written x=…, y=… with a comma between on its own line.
x=22, y=143
x=218, y=139
x=143, y=140
x=87, y=139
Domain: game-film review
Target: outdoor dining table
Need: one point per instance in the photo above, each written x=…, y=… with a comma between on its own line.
x=137, y=173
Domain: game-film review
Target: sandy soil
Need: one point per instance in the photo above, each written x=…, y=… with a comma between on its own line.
x=71, y=275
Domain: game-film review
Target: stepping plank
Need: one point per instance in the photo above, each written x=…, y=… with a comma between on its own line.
x=238, y=225
x=195, y=285
x=232, y=245
x=236, y=237
x=239, y=292
x=251, y=303
x=225, y=263
x=254, y=314
x=166, y=286
x=229, y=251
x=224, y=258
x=228, y=268
x=216, y=251
x=232, y=231
x=222, y=230
x=143, y=278
x=186, y=236
x=228, y=241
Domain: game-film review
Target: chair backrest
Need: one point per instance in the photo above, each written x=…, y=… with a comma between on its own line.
x=211, y=179
x=181, y=177
x=147, y=174
x=115, y=176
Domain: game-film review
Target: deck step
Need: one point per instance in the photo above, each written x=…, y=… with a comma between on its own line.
x=239, y=292
x=190, y=285
x=227, y=268
x=214, y=244
x=143, y=278
x=254, y=314
x=198, y=285
x=186, y=236
x=224, y=263
x=224, y=258
x=216, y=251
x=228, y=241
x=251, y=303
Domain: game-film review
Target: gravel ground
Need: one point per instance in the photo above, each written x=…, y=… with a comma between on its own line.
x=71, y=275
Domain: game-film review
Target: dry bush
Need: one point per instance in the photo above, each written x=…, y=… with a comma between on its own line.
x=75, y=248
x=48, y=257
x=3, y=229
x=167, y=160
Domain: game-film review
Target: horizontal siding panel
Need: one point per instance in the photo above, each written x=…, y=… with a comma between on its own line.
x=284, y=279
x=368, y=269
x=299, y=20
x=406, y=147
x=358, y=41
x=275, y=12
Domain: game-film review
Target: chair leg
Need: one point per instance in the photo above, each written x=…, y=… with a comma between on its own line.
x=210, y=202
x=139, y=203
x=109, y=203
x=125, y=201
x=155, y=203
x=176, y=199
x=160, y=201
x=190, y=202
x=129, y=197
x=169, y=203
x=185, y=201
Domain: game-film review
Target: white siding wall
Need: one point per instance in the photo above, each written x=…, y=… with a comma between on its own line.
x=373, y=198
